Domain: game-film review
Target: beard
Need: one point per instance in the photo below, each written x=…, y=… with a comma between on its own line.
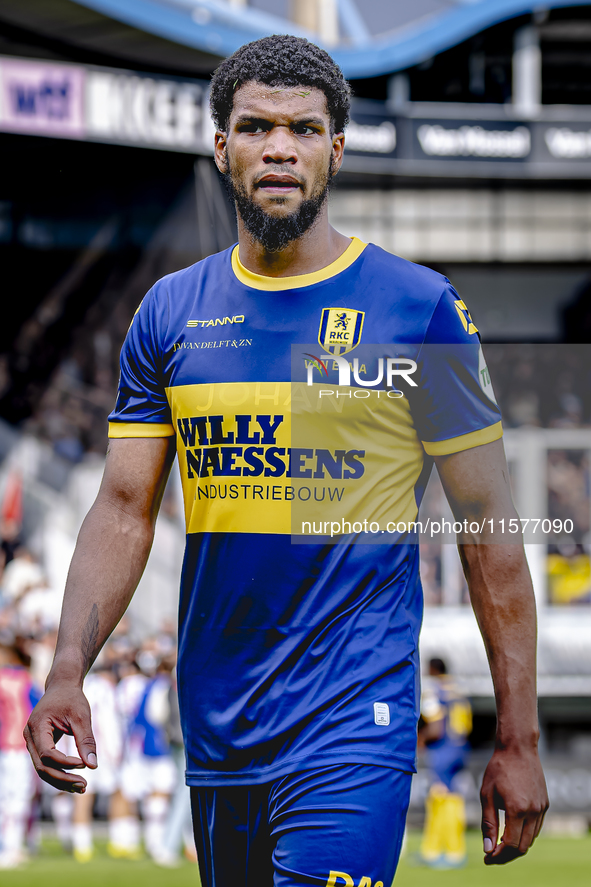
x=272, y=232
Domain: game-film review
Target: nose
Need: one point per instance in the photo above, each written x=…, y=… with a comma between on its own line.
x=280, y=146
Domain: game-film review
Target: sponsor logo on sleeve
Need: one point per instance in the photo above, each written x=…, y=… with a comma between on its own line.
x=484, y=377
x=464, y=316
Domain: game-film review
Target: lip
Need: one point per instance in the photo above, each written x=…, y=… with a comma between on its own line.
x=278, y=184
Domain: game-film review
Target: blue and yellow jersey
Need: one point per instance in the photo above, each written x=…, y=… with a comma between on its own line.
x=295, y=652
x=444, y=704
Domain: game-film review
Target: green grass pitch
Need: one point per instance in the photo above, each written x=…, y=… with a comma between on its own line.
x=553, y=860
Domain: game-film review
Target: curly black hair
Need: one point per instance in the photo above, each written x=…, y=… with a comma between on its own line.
x=280, y=60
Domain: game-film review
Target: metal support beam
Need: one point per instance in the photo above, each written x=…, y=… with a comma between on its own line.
x=527, y=72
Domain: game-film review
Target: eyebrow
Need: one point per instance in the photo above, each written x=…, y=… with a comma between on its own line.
x=253, y=118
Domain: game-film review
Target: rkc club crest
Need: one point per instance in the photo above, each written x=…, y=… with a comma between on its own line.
x=340, y=329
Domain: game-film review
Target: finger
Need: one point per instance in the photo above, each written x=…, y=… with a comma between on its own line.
x=81, y=731
x=57, y=778
x=54, y=757
x=503, y=854
x=45, y=755
x=511, y=836
x=64, y=782
x=44, y=745
x=540, y=823
x=490, y=823
x=85, y=742
x=508, y=849
x=528, y=835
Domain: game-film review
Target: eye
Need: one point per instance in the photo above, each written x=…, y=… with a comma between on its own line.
x=253, y=126
x=304, y=129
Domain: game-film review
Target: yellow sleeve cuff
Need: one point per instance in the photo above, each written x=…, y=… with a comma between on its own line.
x=464, y=441
x=140, y=429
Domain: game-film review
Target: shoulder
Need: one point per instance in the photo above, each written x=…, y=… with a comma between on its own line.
x=426, y=299
x=407, y=293
x=190, y=278
x=169, y=299
x=413, y=291
x=395, y=269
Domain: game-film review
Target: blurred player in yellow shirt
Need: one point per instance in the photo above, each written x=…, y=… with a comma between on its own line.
x=446, y=723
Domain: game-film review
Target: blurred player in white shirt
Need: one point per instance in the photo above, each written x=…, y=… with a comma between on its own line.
x=148, y=774
x=99, y=687
x=126, y=840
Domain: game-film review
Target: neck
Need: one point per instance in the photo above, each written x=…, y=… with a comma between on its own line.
x=318, y=247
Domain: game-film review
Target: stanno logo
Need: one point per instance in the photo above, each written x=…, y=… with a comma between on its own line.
x=217, y=321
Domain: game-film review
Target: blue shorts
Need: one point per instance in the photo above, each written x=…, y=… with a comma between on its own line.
x=446, y=761
x=336, y=826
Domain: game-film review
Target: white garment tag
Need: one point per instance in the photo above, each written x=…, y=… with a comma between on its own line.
x=381, y=713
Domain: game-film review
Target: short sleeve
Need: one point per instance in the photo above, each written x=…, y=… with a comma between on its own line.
x=453, y=406
x=142, y=408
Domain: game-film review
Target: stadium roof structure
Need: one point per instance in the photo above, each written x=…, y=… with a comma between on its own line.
x=380, y=37
x=376, y=37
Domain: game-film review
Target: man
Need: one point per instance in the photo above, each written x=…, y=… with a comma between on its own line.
x=444, y=727
x=298, y=671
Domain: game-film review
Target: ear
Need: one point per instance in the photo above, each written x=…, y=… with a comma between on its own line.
x=338, y=150
x=220, y=151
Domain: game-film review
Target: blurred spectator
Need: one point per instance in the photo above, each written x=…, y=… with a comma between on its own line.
x=129, y=693
x=17, y=785
x=545, y=386
x=41, y=648
x=148, y=775
x=179, y=825
x=99, y=688
x=128, y=690
x=569, y=574
x=38, y=610
x=569, y=413
x=71, y=411
x=11, y=515
x=521, y=405
x=21, y=574
x=568, y=489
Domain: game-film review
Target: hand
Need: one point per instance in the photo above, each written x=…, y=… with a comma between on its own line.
x=63, y=710
x=513, y=782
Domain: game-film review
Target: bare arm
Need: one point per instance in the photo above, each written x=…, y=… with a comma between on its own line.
x=476, y=483
x=110, y=556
